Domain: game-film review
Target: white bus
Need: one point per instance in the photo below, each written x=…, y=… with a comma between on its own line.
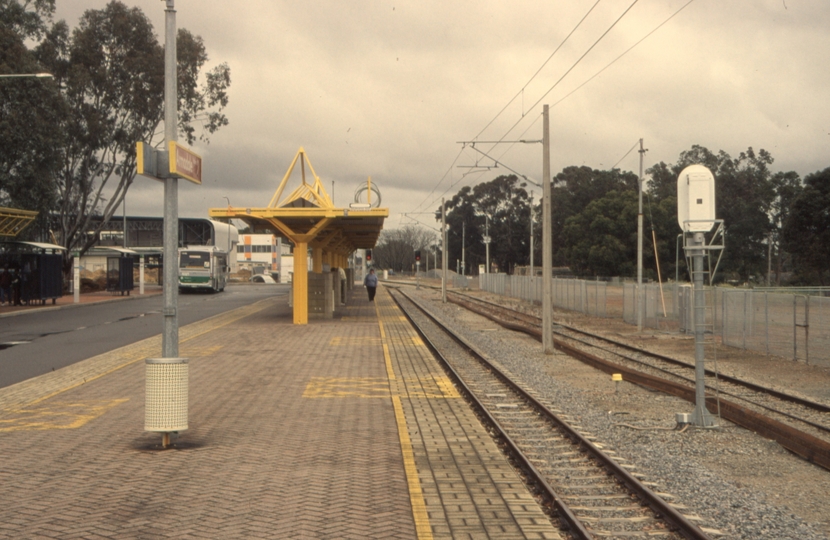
x=207, y=267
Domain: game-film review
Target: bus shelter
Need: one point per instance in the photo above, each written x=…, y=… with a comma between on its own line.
x=309, y=220
x=36, y=270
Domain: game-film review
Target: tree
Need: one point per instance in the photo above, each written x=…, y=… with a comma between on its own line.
x=505, y=206
x=29, y=110
x=806, y=231
x=501, y=208
x=788, y=187
x=111, y=73
x=573, y=189
x=602, y=239
x=395, y=249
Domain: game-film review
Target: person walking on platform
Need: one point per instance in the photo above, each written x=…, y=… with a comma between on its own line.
x=371, y=284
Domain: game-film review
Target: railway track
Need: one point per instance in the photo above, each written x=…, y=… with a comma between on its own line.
x=800, y=425
x=591, y=493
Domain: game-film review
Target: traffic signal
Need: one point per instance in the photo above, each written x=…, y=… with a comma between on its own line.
x=368, y=255
x=418, y=255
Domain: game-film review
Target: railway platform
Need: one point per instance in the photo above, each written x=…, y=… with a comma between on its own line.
x=342, y=428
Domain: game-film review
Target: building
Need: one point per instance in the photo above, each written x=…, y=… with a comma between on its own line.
x=264, y=253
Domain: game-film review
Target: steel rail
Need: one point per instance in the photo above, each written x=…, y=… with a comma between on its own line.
x=532, y=319
x=810, y=448
x=752, y=386
x=682, y=525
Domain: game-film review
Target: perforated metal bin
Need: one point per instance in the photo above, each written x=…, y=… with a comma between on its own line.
x=166, y=394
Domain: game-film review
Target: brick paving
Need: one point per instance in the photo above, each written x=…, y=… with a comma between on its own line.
x=293, y=433
x=258, y=459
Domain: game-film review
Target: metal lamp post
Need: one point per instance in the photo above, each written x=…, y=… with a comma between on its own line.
x=166, y=387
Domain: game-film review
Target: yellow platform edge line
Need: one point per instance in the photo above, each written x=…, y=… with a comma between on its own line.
x=416, y=495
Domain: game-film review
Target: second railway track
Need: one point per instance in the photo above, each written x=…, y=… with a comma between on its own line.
x=593, y=494
x=801, y=426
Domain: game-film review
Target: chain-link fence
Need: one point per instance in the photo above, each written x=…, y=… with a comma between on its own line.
x=793, y=323
x=580, y=295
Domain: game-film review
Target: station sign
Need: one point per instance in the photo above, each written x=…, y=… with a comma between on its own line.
x=184, y=163
x=179, y=162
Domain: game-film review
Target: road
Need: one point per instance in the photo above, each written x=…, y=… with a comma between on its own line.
x=43, y=341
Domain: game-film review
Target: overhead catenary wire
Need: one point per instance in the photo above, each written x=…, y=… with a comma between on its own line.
x=563, y=76
x=521, y=91
x=596, y=42
x=578, y=60
x=626, y=155
x=664, y=22
x=448, y=171
x=595, y=75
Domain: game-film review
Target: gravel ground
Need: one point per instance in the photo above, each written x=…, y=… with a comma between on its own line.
x=736, y=482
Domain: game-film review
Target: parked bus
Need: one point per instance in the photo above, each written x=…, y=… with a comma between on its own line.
x=208, y=267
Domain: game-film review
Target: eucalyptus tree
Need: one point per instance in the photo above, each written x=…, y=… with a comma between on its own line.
x=499, y=208
x=602, y=239
x=30, y=108
x=110, y=70
x=573, y=189
x=806, y=231
x=788, y=187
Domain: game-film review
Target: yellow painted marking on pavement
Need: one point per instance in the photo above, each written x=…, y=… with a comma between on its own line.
x=389, y=370
x=374, y=387
x=408, y=340
x=353, y=340
x=71, y=415
x=447, y=387
x=367, y=387
x=416, y=494
x=131, y=354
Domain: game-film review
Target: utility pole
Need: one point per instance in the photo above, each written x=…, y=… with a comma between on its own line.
x=531, y=234
x=444, y=254
x=547, y=240
x=640, y=298
x=487, y=243
x=463, y=248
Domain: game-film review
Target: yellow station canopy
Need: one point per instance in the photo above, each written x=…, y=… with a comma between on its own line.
x=308, y=216
x=13, y=221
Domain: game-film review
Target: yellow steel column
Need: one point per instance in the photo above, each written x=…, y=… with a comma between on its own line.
x=317, y=260
x=300, y=283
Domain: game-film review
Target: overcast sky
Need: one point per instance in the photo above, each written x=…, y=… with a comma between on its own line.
x=387, y=88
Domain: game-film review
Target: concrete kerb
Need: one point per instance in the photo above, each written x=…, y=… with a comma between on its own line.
x=40, y=309
x=37, y=389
